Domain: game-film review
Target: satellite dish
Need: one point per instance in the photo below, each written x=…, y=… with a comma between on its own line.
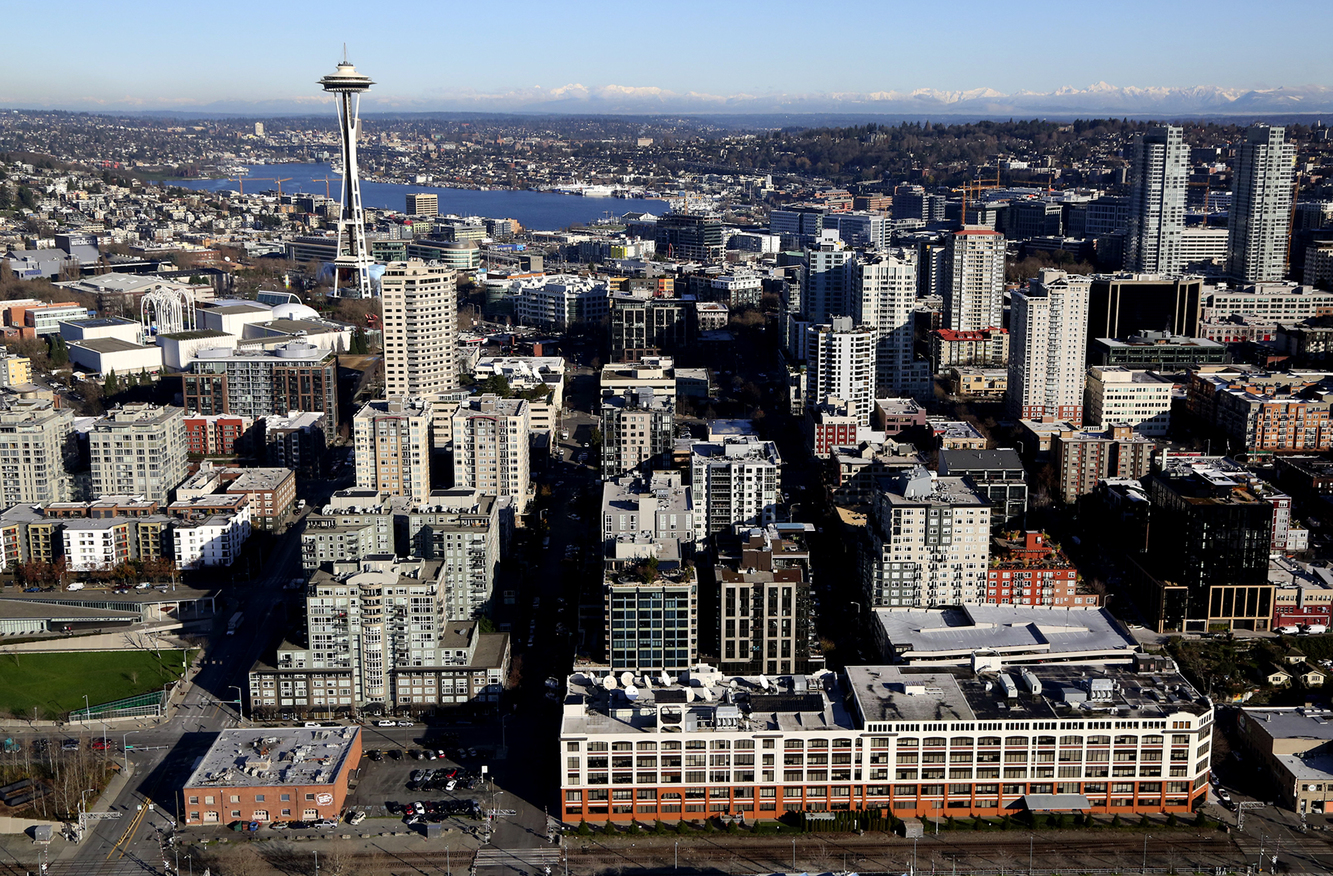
x=689, y=694
x=763, y=682
x=627, y=678
x=609, y=682
x=647, y=683
x=707, y=692
x=631, y=693
x=666, y=679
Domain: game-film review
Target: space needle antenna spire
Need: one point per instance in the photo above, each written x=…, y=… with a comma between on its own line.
x=352, y=263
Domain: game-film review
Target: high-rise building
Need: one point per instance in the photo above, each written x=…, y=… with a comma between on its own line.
x=1158, y=172
x=734, y=480
x=764, y=602
x=34, y=442
x=1120, y=305
x=827, y=284
x=353, y=260
x=689, y=236
x=420, y=329
x=974, y=280
x=461, y=529
x=653, y=625
x=491, y=447
x=1260, y=216
x=392, y=439
x=642, y=325
x=391, y=643
x=928, y=542
x=638, y=427
x=422, y=204
x=253, y=383
x=885, y=301
x=1208, y=551
x=138, y=450
x=1047, y=348
x=841, y=363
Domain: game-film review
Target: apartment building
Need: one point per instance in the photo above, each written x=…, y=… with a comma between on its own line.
x=652, y=620
x=764, y=610
x=556, y=302
x=1259, y=218
x=984, y=348
x=377, y=638
x=1158, y=171
x=353, y=526
x=462, y=530
x=840, y=363
x=491, y=447
x=210, y=530
x=885, y=299
x=916, y=742
x=643, y=325
x=638, y=430
x=35, y=440
x=420, y=329
x=997, y=473
x=927, y=542
x=1084, y=457
x=1030, y=570
x=1264, y=413
x=646, y=510
x=1046, y=370
x=253, y=383
x=138, y=450
x=734, y=480
x=974, y=280
x=392, y=440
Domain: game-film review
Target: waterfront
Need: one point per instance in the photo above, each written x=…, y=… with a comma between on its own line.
x=537, y=211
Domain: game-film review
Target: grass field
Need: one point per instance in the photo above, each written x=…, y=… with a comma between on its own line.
x=57, y=683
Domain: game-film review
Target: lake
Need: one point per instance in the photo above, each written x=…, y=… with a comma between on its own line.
x=537, y=211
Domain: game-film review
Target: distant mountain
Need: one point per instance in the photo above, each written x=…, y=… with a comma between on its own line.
x=1098, y=99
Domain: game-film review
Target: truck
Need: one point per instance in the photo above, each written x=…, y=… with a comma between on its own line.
x=234, y=623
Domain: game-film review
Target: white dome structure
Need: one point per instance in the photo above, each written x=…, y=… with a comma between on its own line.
x=295, y=311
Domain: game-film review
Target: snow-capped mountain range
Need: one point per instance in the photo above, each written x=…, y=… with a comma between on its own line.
x=1098, y=99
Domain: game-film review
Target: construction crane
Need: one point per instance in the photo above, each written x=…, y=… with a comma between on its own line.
x=280, y=182
x=242, y=179
x=975, y=188
x=326, y=180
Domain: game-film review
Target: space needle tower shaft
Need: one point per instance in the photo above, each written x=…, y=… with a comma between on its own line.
x=353, y=261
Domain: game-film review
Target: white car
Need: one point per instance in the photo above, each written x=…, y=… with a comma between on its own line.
x=386, y=723
x=356, y=817
x=405, y=723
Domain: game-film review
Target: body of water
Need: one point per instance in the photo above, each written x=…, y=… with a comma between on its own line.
x=538, y=211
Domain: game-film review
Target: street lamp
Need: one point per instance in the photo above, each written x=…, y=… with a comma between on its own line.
x=1146, y=837
x=125, y=749
x=240, y=704
x=1032, y=837
x=86, y=709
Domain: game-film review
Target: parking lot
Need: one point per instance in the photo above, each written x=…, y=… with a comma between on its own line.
x=385, y=786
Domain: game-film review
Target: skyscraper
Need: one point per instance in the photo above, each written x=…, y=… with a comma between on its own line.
x=1046, y=348
x=420, y=329
x=974, y=280
x=353, y=261
x=1159, y=166
x=886, y=297
x=1260, y=214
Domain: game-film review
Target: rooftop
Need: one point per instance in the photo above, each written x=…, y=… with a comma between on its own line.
x=905, y=693
x=1017, y=632
x=107, y=345
x=266, y=756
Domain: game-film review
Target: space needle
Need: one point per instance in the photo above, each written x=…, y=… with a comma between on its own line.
x=352, y=264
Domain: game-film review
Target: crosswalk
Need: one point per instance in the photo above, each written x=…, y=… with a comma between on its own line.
x=542, y=856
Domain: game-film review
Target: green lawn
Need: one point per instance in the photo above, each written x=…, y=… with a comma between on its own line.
x=58, y=682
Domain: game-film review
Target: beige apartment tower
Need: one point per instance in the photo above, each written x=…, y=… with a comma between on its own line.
x=420, y=329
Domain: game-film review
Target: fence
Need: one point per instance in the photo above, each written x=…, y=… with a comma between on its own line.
x=141, y=705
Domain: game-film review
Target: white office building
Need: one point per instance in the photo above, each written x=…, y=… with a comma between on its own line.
x=827, y=285
x=734, y=480
x=491, y=447
x=554, y=303
x=886, y=299
x=1139, y=399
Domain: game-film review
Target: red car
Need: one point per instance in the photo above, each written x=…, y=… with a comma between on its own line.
x=101, y=745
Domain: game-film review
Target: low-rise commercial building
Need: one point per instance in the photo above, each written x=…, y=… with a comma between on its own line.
x=1012, y=635
x=1138, y=399
x=282, y=774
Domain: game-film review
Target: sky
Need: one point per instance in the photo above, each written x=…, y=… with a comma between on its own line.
x=152, y=54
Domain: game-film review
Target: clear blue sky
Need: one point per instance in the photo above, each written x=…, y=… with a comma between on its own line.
x=157, y=54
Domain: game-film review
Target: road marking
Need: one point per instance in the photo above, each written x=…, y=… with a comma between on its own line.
x=128, y=836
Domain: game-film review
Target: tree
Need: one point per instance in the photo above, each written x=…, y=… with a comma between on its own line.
x=111, y=385
x=59, y=353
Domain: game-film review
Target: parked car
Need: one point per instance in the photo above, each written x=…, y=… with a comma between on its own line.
x=70, y=745
x=386, y=723
x=356, y=817
x=325, y=824
x=278, y=825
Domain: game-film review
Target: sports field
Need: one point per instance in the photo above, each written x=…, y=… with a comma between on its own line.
x=57, y=683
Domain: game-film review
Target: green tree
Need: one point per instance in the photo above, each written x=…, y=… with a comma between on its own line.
x=111, y=385
x=59, y=353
